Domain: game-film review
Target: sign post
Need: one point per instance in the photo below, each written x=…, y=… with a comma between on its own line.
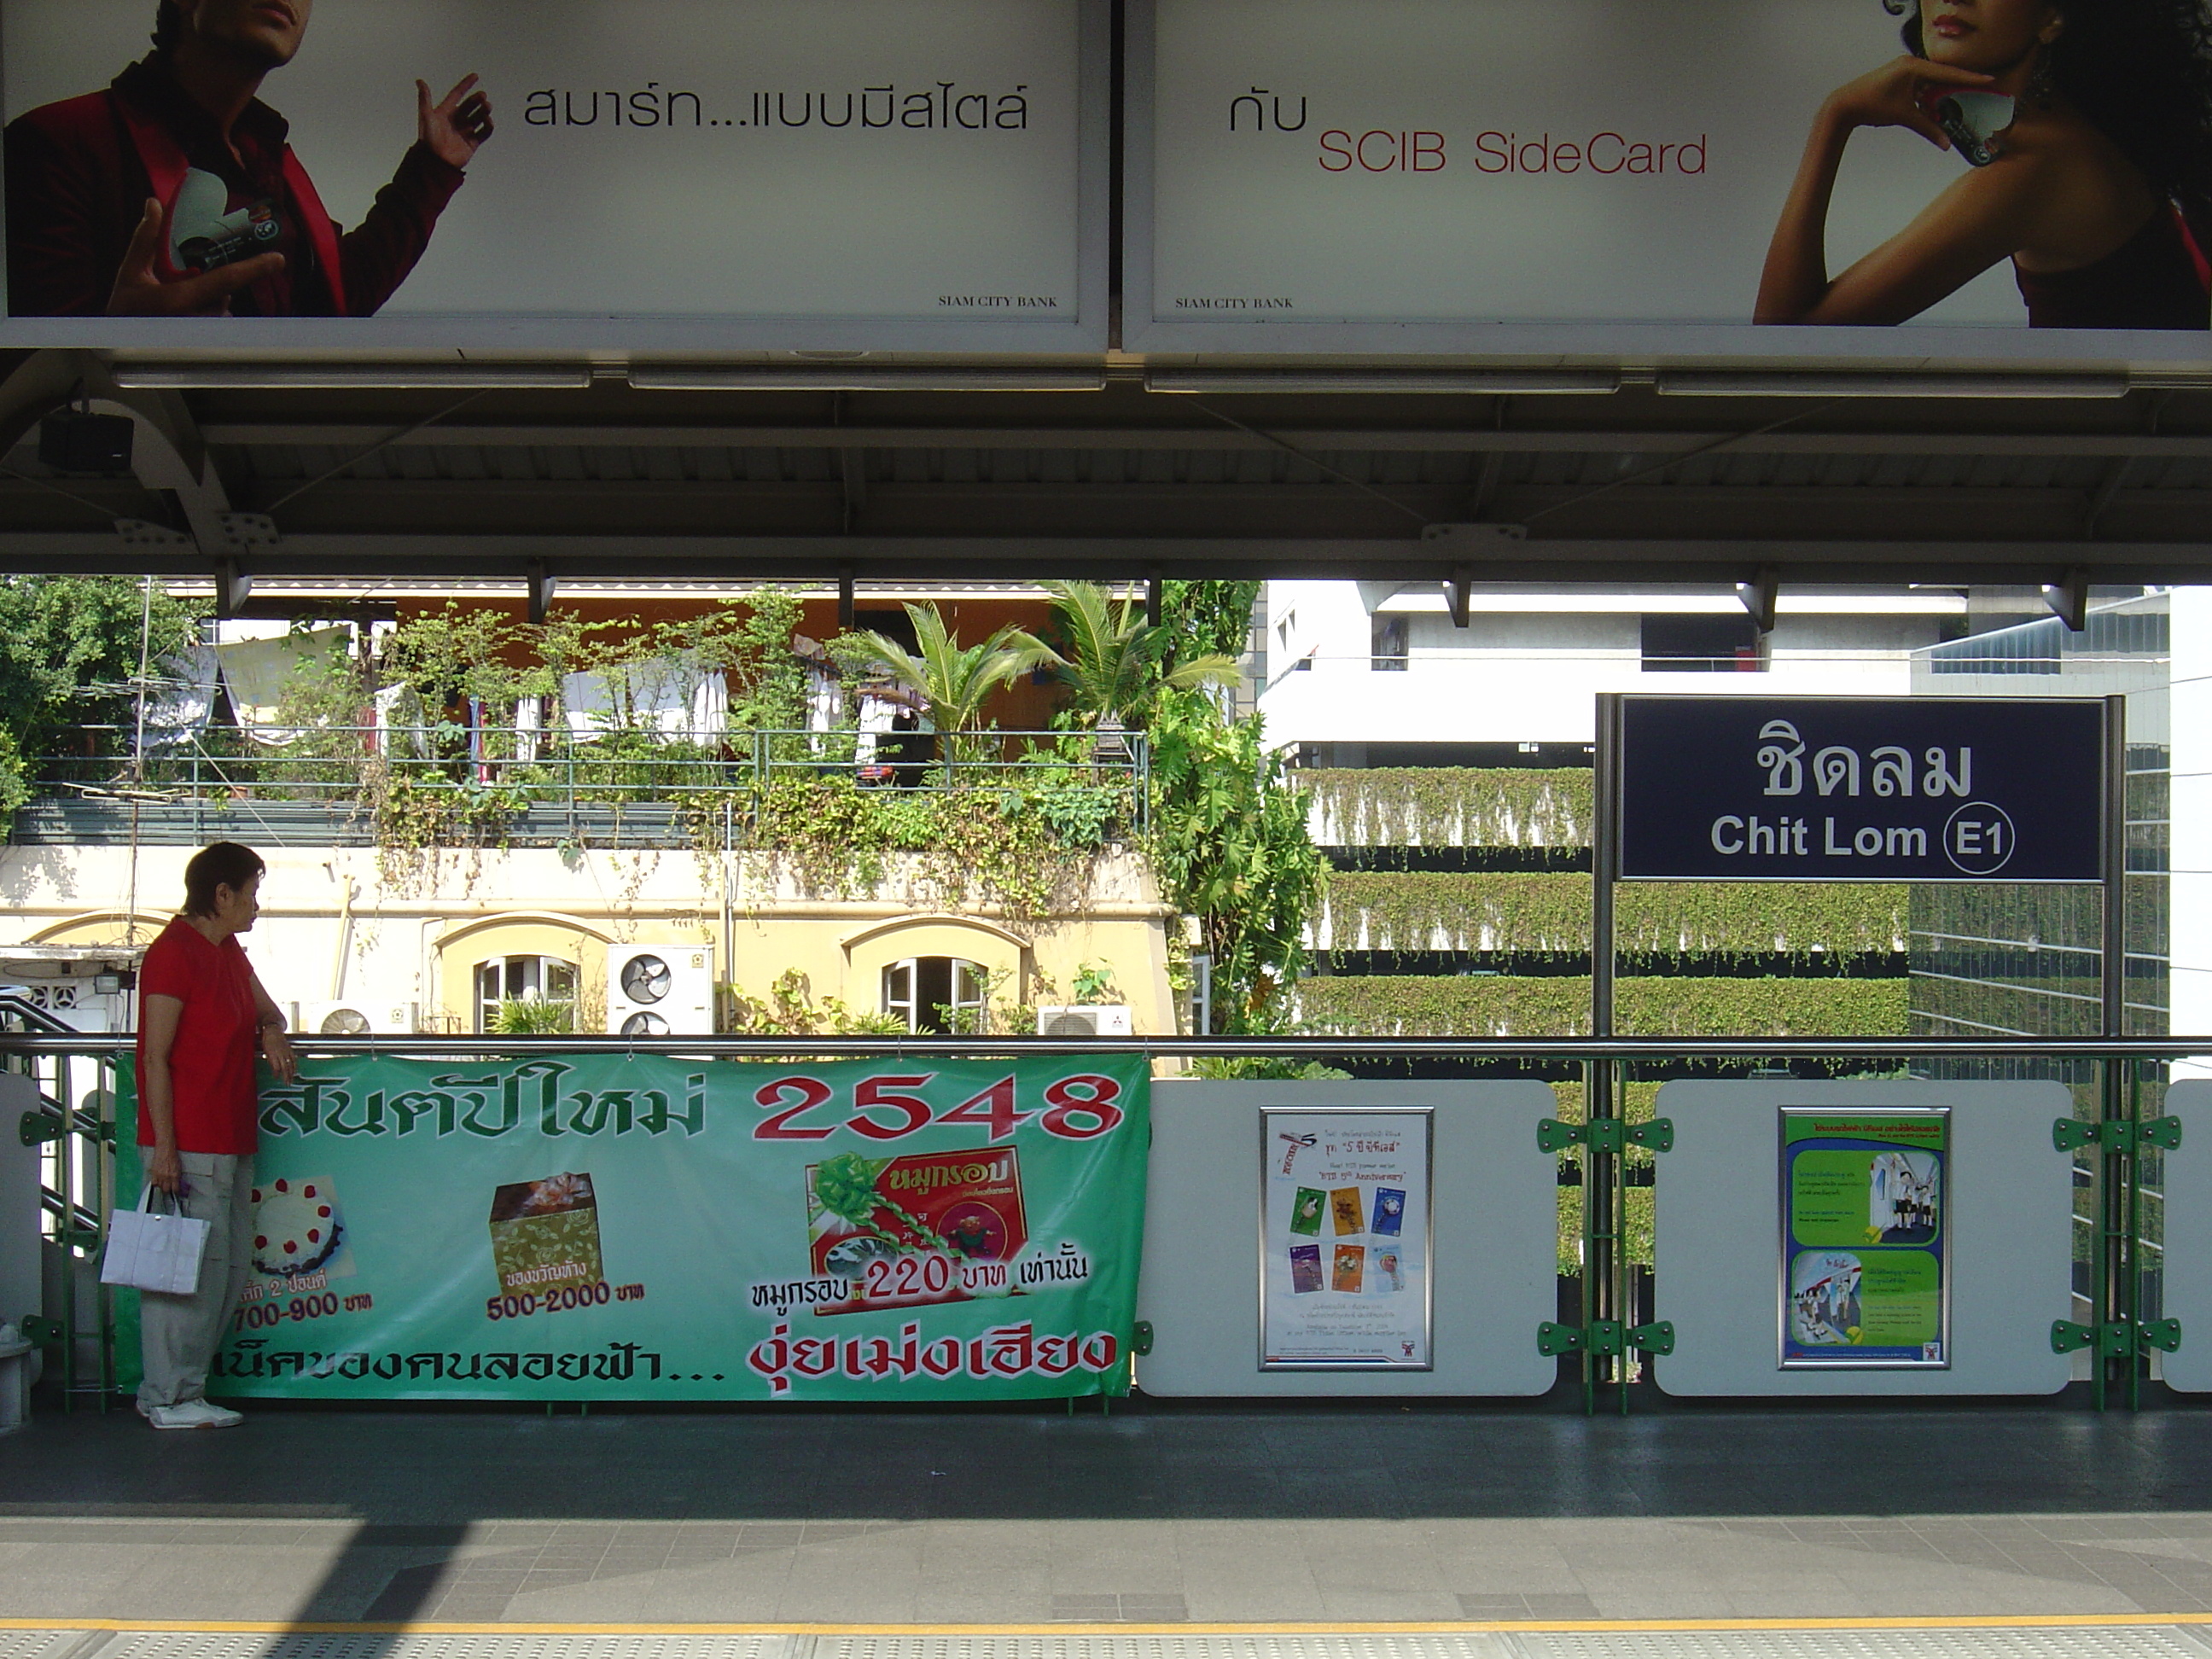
x=1604, y=1196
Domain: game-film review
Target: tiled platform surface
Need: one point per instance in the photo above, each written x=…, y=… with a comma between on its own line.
x=1151, y=1519
x=2074, y=1642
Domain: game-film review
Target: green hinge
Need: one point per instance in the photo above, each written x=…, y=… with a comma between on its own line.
x=1141, y=1339
x=37, y=1128
x=2117, y=1338
x=1605, y=1336
x=2119, y=1134
x=40, y=1331
x=1607, y=1135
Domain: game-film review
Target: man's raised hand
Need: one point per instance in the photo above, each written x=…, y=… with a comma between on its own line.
x=139, y=290
x=456, y=129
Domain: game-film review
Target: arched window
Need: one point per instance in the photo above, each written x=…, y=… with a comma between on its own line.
x=936, y=994
x=522, y=979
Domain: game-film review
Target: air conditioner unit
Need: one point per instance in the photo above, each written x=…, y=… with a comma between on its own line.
x=661, y=990
x=357, y=1017
x=1095, y=1020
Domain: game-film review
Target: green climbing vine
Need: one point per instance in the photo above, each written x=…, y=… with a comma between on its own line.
x=1499, y=1006
x=1428, y=911
x=1450, y=806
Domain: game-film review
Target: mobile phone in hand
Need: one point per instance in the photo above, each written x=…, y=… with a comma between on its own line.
x=1972, y=121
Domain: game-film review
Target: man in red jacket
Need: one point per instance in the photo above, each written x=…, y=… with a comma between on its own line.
x=176, y=193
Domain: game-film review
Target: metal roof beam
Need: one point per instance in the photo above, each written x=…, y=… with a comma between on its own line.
x=1333, y=440
x=1843, y=563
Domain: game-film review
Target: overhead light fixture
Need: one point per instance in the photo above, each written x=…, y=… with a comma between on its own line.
x=233, y=376
x=1535, y=383
x=1701, y=384
x=834, y=377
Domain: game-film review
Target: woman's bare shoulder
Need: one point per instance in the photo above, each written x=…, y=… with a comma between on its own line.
x=2076, y=196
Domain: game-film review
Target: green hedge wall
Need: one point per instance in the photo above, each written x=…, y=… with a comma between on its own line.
x=1392, y=1005
x=1449, y=806
x=1424, y=911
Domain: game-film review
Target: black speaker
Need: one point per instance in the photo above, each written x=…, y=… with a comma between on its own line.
x=78, y=441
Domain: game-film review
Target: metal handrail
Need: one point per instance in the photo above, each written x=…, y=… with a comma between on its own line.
x=556, y=768
x=1227, y=1047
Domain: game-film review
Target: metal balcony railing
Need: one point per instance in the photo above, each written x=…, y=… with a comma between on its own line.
x=76, y=1075
x=1097, y=778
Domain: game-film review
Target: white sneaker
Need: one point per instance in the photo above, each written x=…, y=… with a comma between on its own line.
x=190, y=1414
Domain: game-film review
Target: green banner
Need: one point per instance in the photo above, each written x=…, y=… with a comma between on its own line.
x=612, y=1227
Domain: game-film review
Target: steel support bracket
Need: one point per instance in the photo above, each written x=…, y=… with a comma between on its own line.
x=1599, y=1337
x=1553, y=1136
x=40, y=1331
x=2123, y=1136
x=1607, y=1135
x=37, y=1128
x=1657, y=1135
x=2116, y=1338
x=2164, y=1334
x=1657, y=1337
x=1560, y=1339
x=1141, y=1339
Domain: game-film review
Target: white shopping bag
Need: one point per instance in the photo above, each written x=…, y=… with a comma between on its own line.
x=155, y=1249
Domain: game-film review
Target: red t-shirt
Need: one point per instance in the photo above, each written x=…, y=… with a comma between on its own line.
x=211, y=1062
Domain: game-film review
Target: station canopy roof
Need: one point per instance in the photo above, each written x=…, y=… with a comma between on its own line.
x=1115, y=469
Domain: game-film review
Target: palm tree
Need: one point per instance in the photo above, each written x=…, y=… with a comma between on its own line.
x=953, y=683
x=1113, y=660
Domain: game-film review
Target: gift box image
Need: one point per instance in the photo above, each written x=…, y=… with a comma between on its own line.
x=545, y=1235
x=964, y=1206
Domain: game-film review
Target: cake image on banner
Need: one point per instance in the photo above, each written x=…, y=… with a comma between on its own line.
x=545, y=1235
x=298, y=1230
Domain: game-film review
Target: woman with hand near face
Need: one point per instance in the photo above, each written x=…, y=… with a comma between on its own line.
x=2099, y=190
x=203, y=1019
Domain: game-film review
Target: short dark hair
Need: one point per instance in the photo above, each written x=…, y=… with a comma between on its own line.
x=226, y=864
x=168, y=26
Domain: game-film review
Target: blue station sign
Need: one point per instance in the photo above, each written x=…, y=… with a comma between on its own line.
x=1861, y=789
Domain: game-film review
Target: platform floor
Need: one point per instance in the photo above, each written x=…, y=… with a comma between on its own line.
x=1159, y=1517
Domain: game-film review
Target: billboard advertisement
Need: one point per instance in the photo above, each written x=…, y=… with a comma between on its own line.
x=626, y=1227
x=689, y=172
x=1818, y=179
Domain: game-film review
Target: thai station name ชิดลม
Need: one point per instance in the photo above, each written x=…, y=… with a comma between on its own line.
x=1978, y=837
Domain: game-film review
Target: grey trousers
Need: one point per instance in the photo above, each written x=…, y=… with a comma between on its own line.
x=177, y=1335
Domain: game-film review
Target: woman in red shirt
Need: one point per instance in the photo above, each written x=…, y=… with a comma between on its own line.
x=203, y=1017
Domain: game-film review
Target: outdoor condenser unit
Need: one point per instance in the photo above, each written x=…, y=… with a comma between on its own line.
x=356, y=1019
x=1094, y=1020
x=661, y=990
